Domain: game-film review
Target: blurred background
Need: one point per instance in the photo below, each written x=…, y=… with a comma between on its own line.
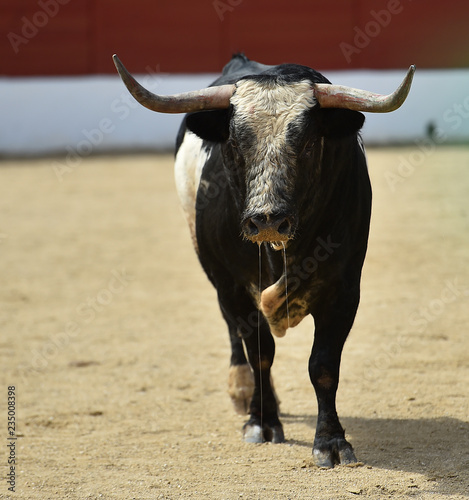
x=59, y=91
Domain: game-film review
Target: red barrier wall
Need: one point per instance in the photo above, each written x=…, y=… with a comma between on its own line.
x=77, y=37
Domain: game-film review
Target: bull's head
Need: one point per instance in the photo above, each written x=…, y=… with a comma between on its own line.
x=266, y=128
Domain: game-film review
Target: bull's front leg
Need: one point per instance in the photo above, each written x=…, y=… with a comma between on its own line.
x=260, y=401
x=263, y=424
x=332, y=327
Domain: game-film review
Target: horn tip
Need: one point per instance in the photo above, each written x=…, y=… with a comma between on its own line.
x=118, y=64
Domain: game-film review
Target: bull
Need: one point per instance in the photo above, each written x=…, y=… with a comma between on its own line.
x=273, y=155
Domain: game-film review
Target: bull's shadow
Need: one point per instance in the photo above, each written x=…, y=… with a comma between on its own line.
x=437, y=448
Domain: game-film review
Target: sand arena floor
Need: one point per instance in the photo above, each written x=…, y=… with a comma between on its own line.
x=112, y=337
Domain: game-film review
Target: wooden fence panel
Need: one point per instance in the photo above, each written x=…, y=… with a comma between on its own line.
x=76, y=37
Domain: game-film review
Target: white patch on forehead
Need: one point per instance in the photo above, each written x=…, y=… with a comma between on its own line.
x=267, y=109
x=262, y=99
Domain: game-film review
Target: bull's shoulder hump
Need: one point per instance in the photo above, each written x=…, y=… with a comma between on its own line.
x=240, y=67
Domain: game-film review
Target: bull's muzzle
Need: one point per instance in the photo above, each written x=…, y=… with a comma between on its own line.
x=268, y=228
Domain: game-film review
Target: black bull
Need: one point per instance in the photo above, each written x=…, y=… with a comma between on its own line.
x=278, y=165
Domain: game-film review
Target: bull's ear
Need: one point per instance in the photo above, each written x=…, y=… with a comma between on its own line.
x=336, y=123
x=211, y=126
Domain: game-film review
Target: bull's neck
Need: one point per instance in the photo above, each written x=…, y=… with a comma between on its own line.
x=334, y=184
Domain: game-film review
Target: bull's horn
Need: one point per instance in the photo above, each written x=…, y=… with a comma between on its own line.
x=198, y=100
x=338, y=96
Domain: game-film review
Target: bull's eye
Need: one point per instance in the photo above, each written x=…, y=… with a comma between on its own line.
x=232, y=148
x=237, y=153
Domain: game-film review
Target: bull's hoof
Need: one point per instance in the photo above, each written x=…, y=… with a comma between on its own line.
x=334, y=451
x=254, y=433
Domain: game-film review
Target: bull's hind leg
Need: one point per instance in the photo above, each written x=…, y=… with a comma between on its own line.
x=333, y=323
x=241, y=317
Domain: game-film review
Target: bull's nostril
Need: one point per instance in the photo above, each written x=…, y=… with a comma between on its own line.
x=251, y=227
x=284, y=227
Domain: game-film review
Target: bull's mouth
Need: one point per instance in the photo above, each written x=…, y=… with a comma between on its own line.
x=280, y=244
x=274, y=239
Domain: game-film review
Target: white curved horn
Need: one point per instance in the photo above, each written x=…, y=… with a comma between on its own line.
x=187, y=102
x=339, y=96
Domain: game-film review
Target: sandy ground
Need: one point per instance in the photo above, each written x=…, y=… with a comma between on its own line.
x=112, y=336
